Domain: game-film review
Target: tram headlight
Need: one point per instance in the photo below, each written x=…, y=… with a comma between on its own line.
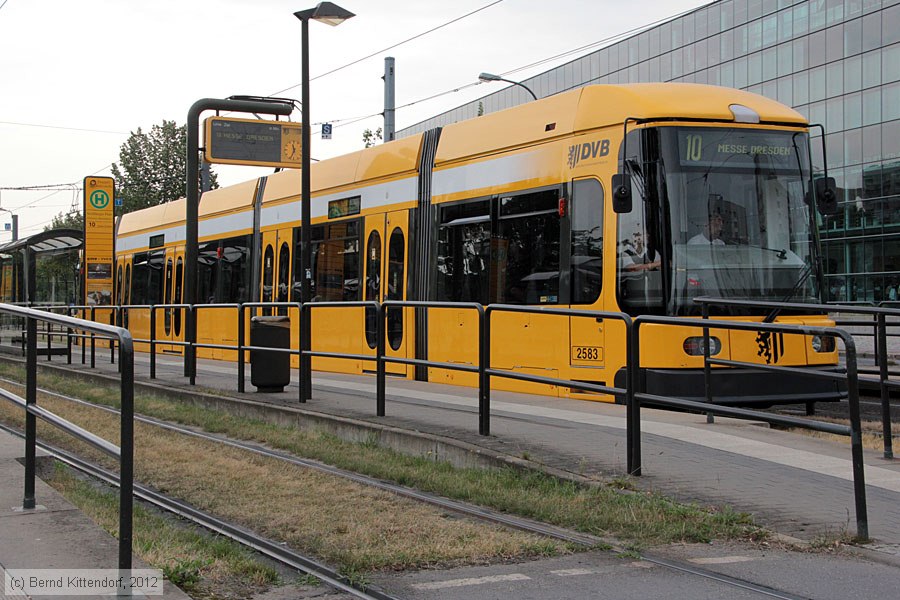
x=693, y=346
x=823, y=343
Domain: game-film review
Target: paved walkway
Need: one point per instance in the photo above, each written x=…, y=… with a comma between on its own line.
x=792, y=483
x=55, y=536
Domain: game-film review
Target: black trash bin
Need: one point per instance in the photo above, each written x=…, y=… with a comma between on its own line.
x=270, y=371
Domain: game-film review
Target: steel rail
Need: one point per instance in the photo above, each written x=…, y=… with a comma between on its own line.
x=265, y=546
x=469, y=510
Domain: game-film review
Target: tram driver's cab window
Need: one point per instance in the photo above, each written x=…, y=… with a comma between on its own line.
x=639, y=248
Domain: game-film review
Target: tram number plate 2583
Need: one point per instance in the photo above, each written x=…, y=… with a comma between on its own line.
x=592, y=353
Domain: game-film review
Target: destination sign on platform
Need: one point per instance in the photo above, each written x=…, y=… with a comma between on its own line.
x=253, y=142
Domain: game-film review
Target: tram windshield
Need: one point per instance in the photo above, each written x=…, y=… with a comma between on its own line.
x=724, y=211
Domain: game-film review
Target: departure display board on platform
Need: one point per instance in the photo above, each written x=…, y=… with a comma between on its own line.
x=253, y=142
x=99, y=240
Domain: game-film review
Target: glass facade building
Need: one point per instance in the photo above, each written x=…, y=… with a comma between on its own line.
x=835, y=61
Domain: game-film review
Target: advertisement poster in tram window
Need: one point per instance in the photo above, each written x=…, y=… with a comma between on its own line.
x=99, y=240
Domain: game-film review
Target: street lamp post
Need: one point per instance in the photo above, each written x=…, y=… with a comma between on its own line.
x=492, y=77
x=331, y=14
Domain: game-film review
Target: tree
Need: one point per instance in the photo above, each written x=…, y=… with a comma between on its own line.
x=153, y=167
x=371, y=138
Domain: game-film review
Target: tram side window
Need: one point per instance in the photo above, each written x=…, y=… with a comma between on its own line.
x=464, y=253
x=207, y=262
x=526, y=249
x=233, y=281
x=586, y=213
x=335, y=262
x=147, y=277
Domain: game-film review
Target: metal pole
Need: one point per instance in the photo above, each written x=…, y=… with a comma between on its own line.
x=305, y=211
x=30, y=419
x=126, y=458
x=633, y=412
x=707, y=371
x=389, y=99
x=379, y=361
x=241, y=335
x=152, y=342
x=192, y=199
x=856, y=449
x=484, y=363
x=886, y=428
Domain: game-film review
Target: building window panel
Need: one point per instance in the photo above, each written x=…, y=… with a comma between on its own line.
x=872, y=69
x=834, y=114
x=817, y=49
x=890, y=64
x=687, y=29
x=700, y=24
x=689, y=56
x=853, y=110
x=817, y=16
x=726, y=9
x=835, y=79
x=740, y=73
x=853, y=147
x=890, y=141
x=817, y=84
x=834, y=43
x=835, y=11
x=754, y=68
x=871, y=32
x=871, y=143
x=890, y=102
x=740, y=41
x=770, y=30
x=871, y=106
x=754, y=9
x=754, y=36
x=726, y=46
x=665, y=37
x=853, y=74
x=853, y=37
x=726, y=75
x=834, y=145
x=890, y=25
x=769, y=64
x=786, y=90
x=801, y=18
x=740, y=12
x=785, y=26
x=801, y=87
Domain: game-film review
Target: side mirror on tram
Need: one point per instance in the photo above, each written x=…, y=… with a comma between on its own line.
x=826, y=195
x=621, y=193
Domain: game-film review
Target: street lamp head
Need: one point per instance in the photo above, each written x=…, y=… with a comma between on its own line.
x=488, y=77
x=325, y=12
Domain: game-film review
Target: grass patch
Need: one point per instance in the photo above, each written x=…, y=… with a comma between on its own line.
x=356, y=528
x=640, y=519
x=199, y=563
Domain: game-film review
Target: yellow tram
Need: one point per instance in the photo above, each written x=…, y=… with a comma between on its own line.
x=516, y=207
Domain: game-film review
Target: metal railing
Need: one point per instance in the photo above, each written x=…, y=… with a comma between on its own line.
x=880, y=326
x=125, y=453
x=854, y=431
x=632, y=396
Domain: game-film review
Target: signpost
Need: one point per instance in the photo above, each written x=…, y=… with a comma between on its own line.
x=253, y=142
x=99, y=241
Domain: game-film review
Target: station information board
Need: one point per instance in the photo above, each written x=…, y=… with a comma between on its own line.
x=252, y=142
x=99, y=240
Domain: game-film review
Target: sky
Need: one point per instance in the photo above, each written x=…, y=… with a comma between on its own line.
x=76, y=78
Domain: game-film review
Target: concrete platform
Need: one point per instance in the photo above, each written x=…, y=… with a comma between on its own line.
x=55, y=535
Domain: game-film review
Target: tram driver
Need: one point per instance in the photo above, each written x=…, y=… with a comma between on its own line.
x=712, y=231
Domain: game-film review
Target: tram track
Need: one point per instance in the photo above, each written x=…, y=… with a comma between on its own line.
x=280, y=553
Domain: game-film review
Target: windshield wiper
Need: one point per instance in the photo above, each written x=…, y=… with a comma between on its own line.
x=782, y=254
x=807, y=271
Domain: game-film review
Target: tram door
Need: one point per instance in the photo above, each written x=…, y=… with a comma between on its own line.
x=276, y=269
x=385, y=275
x=172, y=319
